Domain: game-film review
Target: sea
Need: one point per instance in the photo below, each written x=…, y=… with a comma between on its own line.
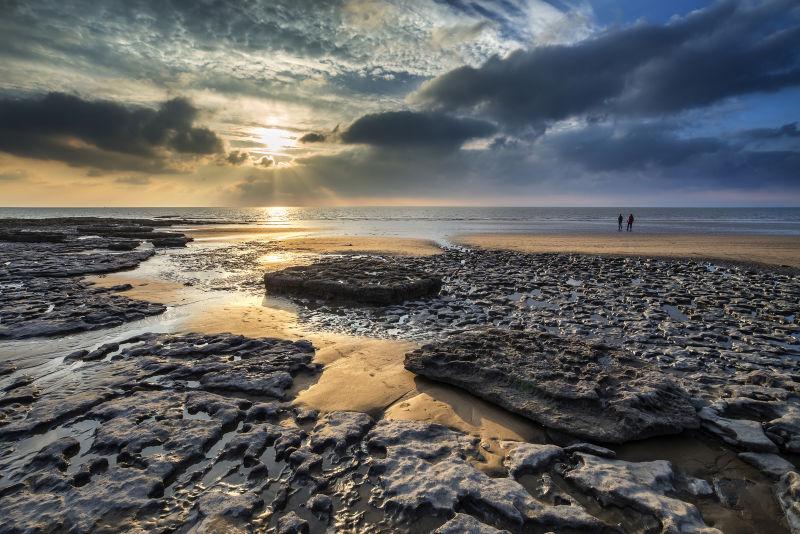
x=442, y=222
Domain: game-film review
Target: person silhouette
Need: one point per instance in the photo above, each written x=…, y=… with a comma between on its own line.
x=619, y=223
x=630, y=223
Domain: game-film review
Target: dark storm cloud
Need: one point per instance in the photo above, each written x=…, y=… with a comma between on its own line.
x=602, y=148
x=787, y=131
x=731, y=48
x=237, y=157
x=411, y=128
x=313, y=137
x=660, y=150
x=101, y=134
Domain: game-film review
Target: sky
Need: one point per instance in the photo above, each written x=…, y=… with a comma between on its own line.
x=389, y=102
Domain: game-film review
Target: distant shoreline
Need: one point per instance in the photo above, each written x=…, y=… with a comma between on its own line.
x=440, y=224
x=756, y=250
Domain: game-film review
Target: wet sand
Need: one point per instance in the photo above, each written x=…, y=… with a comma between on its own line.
x=772, y=250
x=360, y=374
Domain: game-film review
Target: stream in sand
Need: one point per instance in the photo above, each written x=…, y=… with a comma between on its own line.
x=360, y=373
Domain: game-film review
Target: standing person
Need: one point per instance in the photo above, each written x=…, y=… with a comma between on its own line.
x=619, y=223
x=630, y=222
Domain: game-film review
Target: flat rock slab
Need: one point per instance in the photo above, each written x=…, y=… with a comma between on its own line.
x=771, y=465
x=586, y=390
x=366, y=280
x=742, y=433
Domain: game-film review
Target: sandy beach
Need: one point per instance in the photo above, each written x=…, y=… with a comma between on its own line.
x=772, y=250
x=355, y=244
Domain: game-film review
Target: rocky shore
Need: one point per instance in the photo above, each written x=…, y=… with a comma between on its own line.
x=197, y=432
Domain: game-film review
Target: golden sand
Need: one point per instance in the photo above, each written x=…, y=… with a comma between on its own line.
x=360, y=374
x=402, y=246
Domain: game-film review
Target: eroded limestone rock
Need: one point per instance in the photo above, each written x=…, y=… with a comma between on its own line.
x=425, y=467
x=788, y=494
x=368, y=280
x=466, y=524
x=640, y=485
x=339, y=429
x=587, y=390
x=743, y=433
x=525, y=458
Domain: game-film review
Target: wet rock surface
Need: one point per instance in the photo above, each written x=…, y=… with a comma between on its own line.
x=197, y=433
x=133, y=439
x=156, y=452
x=426, y=466
x=727, y=336
x=641, y=485
x=367, y=280
x=39, y=306
x=588, y=390
x=41, y=265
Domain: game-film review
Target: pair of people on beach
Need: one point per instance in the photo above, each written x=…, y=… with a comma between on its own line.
x=630, y=222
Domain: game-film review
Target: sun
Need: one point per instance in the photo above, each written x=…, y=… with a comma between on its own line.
x=277, y=139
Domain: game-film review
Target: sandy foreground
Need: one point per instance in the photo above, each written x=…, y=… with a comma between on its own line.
x=773, y=250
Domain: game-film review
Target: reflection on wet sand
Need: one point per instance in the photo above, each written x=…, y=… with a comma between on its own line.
x=151, y=290
x=231, y=232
